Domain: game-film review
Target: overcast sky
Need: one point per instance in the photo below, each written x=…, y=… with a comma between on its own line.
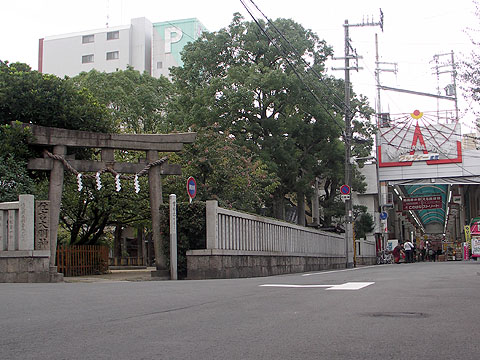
x=414, y=31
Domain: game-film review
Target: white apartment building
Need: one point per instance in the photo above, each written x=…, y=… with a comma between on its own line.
x=153, y=48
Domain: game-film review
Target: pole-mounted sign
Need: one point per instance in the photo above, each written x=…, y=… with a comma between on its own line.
x=191, y=188
x=345, y=192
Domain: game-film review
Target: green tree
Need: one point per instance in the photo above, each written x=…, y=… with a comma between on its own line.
x=469, y=67
x=87, y=213
x=363, y=222
x=42, y=99
x=136, y=102
x=248, y=86
x=224, y=171
x=33, y=98
x=14, y=179
x=14, y=152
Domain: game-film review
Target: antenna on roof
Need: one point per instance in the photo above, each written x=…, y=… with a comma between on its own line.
x=108, y=12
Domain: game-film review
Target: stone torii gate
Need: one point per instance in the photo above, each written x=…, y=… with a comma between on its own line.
x=60, y=139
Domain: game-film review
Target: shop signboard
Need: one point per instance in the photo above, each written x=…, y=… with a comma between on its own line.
x=391, y=244
x=422, y=203
x=475, y=226
x=466, y=251
x=475, y=237
x=475, y=246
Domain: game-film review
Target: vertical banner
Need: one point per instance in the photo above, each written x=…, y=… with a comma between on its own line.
x=468, y=236
x=466, y=252
x=468, y=242
x=173, y=237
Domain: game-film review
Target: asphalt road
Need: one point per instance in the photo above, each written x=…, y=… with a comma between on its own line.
x=407, y=311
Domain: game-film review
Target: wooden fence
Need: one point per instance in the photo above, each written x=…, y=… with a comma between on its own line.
x=127, y=261
x=82, y=260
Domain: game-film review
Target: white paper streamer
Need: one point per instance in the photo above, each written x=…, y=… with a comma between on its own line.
x=79, y=181
x=98, y=180
x=117, y=183
x=137, y=185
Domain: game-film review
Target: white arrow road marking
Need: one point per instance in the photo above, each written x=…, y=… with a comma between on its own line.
x=336, y=271
x=346, y=286
x=351, y=286
x=296, y=286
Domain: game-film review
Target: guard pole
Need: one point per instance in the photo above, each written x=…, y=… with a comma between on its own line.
x=173, y=237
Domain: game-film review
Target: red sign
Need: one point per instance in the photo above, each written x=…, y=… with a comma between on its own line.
x=475, y=226
x=345, y=189
x=191, y=187
x=422, y=203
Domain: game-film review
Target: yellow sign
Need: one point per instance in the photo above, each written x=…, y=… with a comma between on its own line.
x=416, y=114
x=468, y=235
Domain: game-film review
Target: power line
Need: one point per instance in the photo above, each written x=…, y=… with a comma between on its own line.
x=299, y=56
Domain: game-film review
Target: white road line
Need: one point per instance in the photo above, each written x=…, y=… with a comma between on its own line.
x=296, y=286
x=346, y=286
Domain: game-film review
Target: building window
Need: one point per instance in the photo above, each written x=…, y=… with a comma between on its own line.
x=112, y=35
x=112, y=55
x=87, y=59
x=86, y=39
x=159, y=65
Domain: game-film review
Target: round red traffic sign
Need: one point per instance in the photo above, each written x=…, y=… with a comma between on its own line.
x=191, y=187
x=345, y=189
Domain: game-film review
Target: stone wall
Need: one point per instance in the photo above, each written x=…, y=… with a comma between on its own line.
x=25, y=266
x=246, y=245
x=208, y=264
x=366, y=260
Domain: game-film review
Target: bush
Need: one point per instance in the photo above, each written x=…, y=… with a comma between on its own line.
x=191, y=231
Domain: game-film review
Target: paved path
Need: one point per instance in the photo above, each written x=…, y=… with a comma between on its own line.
x=425, y=311
x=115, y=275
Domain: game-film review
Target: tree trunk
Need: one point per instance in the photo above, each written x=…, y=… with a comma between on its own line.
x=140, y=244
x=300, y=208
x=279, y=206
x=117, y=243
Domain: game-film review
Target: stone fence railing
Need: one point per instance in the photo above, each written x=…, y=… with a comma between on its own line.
x=234, y=230
x=243, y=245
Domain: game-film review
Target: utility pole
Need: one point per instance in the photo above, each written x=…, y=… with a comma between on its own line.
x=348, y=154
x=350, y=54
x=393, y=67
x=450, y=89
x=380, y=117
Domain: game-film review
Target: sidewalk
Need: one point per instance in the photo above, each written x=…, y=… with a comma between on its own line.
x=115, y=275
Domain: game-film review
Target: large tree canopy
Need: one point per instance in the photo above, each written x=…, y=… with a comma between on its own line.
x=469, y=69
x=136, y=102
x=34, y=98
x=270, y=95
x=42, y=99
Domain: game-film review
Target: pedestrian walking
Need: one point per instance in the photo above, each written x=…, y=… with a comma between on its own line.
x=431, y=254
x=397, y=251
x=408, y=246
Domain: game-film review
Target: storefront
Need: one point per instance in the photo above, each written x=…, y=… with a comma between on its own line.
x=475, y=237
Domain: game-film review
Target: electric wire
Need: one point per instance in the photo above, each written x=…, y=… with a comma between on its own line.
x=313, y=70
x=294, y=69
x=303, y=60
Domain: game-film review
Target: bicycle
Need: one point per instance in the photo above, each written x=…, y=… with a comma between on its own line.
x=384, y=257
